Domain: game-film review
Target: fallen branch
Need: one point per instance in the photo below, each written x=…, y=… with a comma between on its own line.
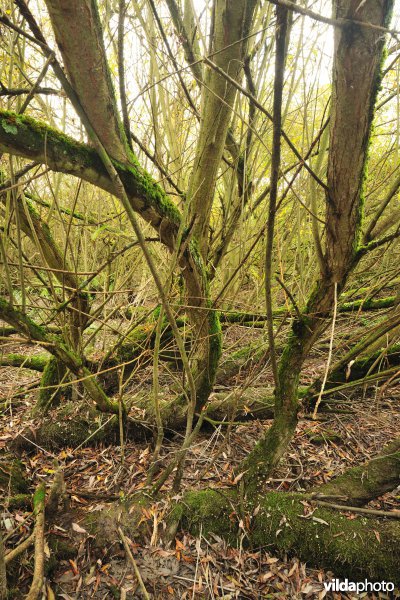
x=15, y=552
x=395, y=514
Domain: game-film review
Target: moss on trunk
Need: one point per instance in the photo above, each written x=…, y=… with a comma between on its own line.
x=75, y=423
x=49, y=394
x=12, y=475
x=35, y=362
x=323, y=537
x=368, y=481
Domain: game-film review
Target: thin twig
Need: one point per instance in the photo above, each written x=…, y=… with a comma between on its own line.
x=328, y=362
x=38, y=571
x=133, y=563
x=395, y=514
x=329, y=21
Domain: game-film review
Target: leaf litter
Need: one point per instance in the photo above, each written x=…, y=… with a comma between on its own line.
x=188, y=567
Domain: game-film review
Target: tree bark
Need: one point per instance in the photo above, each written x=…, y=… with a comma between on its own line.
x=359, y=485
x=290, y=523
x=356, y=78
x=231, y=22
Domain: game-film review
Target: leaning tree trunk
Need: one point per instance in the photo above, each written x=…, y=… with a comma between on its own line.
x=77, y=308
x=356, y=78
x=231, y=25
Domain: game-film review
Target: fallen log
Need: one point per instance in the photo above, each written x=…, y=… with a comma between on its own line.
x=294, y=523
x=35, y=362
x=290, y=523
x=363, y=366
x=361, y=484
x=76, y=424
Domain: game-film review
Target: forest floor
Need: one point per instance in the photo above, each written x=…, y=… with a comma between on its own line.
x=189, y=568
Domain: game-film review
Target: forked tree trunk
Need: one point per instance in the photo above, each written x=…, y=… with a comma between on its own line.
x=356, y=78
x=79, y=35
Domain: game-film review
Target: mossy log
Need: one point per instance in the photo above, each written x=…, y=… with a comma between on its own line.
x=366, y=364
x=323, y=436
x=284, y=522
x=294, y=523
x=74, y=424
x=355, y=370
x=222, y=406
x=369, y=304
x=358, y=485
x=69, y=426
x=360, y=304
x=240, y=360
x=384, y=358
x=290, y=523
x=35, y=362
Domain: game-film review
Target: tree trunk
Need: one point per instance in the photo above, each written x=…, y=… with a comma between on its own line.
x=357, y=72
x=286, y=522
x=73, y=424
x=359, y=485
x=326, y=538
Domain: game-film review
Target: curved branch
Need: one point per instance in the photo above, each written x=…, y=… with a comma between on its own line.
x=28, y=138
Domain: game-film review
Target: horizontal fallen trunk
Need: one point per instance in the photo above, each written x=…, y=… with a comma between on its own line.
x=70, y=426
x=35, y=362
x=289, y=523
x=365, y=365
x=359, y=485
x=75, y=424
x=369, y=304
x=284, y=522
